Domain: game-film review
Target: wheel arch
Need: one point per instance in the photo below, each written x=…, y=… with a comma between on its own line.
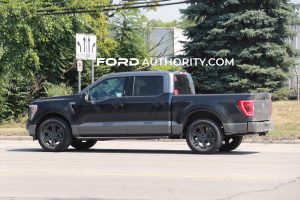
x=201, y=114
x=48, y=116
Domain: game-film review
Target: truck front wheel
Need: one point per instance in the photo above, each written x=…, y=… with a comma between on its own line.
x=54, y=135
x=204, y=136
x=83, y=144
x=230, y=143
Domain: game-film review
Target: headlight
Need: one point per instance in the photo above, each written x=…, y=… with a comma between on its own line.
x=32, y=111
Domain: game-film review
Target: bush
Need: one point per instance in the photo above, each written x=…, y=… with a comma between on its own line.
x=14, y=97
x=166, y=68
x=58, y=90
x=281, y=94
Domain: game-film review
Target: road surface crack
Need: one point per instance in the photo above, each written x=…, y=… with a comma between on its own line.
x=263, y=190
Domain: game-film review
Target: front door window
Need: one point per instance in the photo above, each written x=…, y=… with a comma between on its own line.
x=107, y=89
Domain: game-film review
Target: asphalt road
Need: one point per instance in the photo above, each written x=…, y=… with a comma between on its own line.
x=149, y=170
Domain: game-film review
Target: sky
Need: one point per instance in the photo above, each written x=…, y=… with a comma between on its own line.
x=166, y=13
x=169, y=13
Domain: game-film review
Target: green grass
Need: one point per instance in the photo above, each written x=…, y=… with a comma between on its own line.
x=286, y=117
x=14, y=128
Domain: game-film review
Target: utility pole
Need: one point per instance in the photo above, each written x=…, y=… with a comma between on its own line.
x=79, y=81
x=298, y=87
x=297, y=83
x=93, y=71
x=79, y=69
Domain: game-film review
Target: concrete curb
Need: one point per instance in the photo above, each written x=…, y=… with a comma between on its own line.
x=15, y=138
x=272, y=141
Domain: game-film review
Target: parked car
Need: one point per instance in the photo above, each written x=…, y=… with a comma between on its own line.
x=148, y=105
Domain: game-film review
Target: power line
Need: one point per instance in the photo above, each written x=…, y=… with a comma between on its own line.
x=122, y=7
x=104, y=6
x=43, y=4
x=65, y=2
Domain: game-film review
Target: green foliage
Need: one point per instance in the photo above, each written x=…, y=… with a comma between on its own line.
x=254, y=33
x=58, y=90
x=181, y=23
x=4, y=109
x=282, y=94
x=166, y=68
x=129, y=32
x=38, y=50
x=14, y=97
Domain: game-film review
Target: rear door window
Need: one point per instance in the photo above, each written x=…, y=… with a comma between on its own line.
x=148, y=86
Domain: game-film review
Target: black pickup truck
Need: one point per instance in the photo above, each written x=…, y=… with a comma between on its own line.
x=148, y=105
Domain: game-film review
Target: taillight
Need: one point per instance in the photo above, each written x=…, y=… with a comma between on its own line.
x=176, y=92
x=247, y=107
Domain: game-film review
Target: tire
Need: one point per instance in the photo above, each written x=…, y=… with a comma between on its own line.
x=204, y=136
x=54, y=135
x=83, y=144
x=230, y=143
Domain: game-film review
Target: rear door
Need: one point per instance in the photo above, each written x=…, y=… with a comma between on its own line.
x=148, y=107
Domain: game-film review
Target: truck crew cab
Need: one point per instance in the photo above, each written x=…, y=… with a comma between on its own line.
x=148, y=105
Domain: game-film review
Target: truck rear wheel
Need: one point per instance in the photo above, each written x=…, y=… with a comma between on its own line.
x=204, y=136
x=230, y=143
x=83, y=144
x=54, y=135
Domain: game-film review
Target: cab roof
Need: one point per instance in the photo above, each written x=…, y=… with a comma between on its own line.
x=134, y=73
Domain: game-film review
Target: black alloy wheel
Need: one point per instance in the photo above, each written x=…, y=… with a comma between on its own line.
x=230, y=143
x=204, y=136
x=54, y=135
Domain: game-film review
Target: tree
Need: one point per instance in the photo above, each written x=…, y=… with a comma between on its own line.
x=254, y=33
x=128, y=29
x=37, y=50
x=181, y=23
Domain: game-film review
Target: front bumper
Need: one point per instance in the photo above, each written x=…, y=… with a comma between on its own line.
x=248, y=128
x=31, y=130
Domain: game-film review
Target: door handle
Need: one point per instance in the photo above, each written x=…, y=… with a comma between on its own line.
x=158, y=105
x=118, y=105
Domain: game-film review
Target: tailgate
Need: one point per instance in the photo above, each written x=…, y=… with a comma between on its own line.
x=262, y=106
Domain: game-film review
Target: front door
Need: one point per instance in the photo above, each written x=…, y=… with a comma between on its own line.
x=103, y=113
x=147, y=107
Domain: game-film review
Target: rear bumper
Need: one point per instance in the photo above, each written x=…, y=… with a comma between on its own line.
x=260, y=127
x=248, y=128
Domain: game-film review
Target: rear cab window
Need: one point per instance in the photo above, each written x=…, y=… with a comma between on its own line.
x=183, y=84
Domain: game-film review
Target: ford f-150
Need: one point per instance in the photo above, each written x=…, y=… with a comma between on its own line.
x=148, y=105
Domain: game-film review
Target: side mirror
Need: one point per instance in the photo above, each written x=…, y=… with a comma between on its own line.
x=86, y=96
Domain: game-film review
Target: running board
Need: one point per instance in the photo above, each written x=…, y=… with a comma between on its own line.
x=124, y=138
